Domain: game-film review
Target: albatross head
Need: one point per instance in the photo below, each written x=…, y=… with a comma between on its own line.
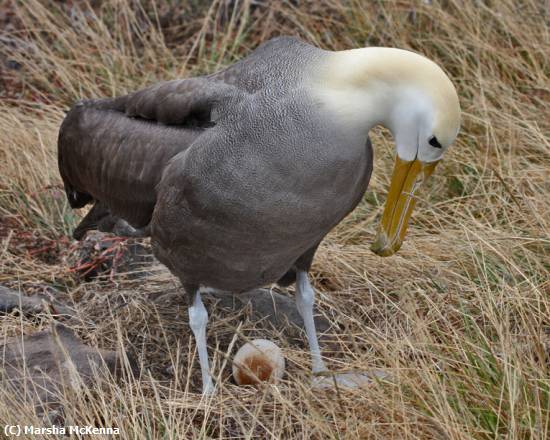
x=412, y=97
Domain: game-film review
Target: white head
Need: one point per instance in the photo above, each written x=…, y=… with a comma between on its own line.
x=412, y=97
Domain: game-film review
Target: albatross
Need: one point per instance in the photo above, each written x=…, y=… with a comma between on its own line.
x=238, y=176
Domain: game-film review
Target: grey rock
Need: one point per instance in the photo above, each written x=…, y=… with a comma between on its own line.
x=42, y=367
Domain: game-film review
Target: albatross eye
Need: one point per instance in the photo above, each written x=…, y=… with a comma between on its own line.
x=434, y=142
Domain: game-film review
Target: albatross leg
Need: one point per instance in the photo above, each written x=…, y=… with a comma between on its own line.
x=198, y=318
x=305, y=298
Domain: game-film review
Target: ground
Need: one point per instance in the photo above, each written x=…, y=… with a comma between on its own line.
x=459, y=318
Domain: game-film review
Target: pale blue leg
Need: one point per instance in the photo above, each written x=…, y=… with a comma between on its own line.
x=198, y=318
x=305, y=298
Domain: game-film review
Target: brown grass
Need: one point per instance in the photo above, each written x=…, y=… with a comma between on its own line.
x=460, y=318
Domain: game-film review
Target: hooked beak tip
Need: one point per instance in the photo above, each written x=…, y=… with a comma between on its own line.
x=407, y=177
x=382, y=245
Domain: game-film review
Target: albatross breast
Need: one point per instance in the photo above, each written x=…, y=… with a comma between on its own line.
x=238, y=208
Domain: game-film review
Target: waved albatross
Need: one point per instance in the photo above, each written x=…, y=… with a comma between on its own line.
x=237, y=176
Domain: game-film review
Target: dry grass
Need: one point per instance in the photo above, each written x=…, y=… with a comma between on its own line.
x=460, y=318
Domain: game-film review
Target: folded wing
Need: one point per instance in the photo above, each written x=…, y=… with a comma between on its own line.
x=114, y=151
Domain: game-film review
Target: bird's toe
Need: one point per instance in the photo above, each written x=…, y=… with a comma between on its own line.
x=350, y=380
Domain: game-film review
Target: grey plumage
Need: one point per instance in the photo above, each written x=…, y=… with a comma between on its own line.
x=238, y=175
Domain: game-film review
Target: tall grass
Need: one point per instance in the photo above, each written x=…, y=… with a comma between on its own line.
x=460, y=318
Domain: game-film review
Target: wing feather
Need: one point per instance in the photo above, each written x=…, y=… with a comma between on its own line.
x=115, y=150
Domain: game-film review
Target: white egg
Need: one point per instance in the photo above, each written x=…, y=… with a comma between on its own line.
x=258, y=361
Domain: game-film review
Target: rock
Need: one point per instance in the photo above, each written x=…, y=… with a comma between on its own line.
x=277, y=309
x=40, y=368
x=10, y=301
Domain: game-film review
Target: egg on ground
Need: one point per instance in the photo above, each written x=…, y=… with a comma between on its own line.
x=258, y=361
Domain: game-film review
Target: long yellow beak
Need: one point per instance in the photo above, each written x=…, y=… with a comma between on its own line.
x=407, y=177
